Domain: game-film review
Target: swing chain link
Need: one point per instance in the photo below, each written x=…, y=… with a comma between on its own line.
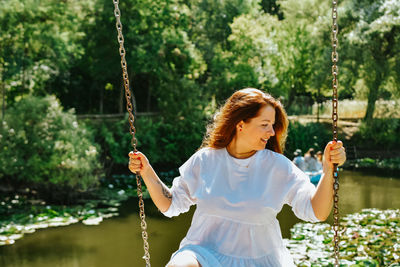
x=335, y=84
x=132, y=129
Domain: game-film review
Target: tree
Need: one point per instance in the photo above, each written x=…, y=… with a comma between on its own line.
x=38, y=42
x=372, y=30
x=272, y=54
x=210, y=29
x=304, y=58
x=247, y=61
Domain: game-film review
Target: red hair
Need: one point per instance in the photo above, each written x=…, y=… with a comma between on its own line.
x=244, y=105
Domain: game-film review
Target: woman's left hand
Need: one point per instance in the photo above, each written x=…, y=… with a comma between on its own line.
x=334, y=153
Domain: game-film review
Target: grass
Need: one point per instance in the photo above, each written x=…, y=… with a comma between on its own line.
x=356, y=109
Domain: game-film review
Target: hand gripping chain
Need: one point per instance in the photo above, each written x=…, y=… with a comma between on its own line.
x=335, y=83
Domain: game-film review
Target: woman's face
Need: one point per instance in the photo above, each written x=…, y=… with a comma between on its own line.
x=256, y=132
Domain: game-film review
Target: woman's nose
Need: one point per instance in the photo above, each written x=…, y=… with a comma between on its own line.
x=271, y=131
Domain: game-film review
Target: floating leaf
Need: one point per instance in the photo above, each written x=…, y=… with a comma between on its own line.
x=371, y=238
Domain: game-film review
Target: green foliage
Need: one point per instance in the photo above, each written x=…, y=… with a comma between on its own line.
x=305, y=136
x=210, y=32
x=21, y=215
x=370, y=30
x=278, y=56
x=167, y=144
x=246, y=63
x=114, y=141
x=167, y=139
x=185, y=57
x=370, y=238
x=280, y=46
x=171, y=143
x=379, y=133
x=390, y=165
x=39, y=40
x=158, y=52
x=46, y=148
x=272, y=7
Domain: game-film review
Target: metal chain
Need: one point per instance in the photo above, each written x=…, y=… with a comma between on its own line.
x=335, y=83
x=132, y=129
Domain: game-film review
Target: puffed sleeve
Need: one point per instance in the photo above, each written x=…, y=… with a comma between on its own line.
x=300, y=193
x=184, y=187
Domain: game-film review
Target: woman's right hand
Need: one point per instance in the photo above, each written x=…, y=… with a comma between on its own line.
x=138, y=162
x=159, y=192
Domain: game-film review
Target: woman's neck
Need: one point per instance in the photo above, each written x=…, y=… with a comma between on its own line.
x=237, y=151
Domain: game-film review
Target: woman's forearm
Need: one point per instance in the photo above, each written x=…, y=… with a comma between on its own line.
x=159, y=192
x=323, y=197
x=334, y=153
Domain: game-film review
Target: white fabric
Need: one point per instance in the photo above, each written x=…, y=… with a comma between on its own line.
x=299, y=162
x=237, y=202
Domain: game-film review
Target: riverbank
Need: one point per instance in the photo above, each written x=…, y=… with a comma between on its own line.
x=388, y=166
x=20, y=215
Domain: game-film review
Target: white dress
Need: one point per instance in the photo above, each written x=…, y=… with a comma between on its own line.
x=237, y=202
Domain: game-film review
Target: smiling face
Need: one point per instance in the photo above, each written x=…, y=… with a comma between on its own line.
x=254, y=134
x=250, y=120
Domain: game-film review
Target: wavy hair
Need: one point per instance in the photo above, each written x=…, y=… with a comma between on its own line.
x=244, y=105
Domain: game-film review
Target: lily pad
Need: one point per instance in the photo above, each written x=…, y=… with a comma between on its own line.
x=370, y=238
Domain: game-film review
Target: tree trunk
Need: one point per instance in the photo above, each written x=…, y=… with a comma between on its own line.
x=291, y=95
x=372, y=97
x=373, y=94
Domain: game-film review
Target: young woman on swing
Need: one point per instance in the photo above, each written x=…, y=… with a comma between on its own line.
x=239, y=181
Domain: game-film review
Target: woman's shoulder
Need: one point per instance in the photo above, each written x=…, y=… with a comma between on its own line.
x=202, y=157
x=275, y=156
x=207, y=153
x=281, y=165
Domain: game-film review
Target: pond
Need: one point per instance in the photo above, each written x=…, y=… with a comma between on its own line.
x=117, y=241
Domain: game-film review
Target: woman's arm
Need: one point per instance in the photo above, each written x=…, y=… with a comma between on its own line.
x=159, y=192
x=323, y=198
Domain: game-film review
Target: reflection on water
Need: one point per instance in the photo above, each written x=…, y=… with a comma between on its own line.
x=117, y=241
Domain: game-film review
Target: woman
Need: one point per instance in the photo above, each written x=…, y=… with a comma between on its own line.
x=239, y=181
x=311, y=161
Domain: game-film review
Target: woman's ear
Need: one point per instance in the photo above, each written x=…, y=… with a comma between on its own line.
x=239, y=126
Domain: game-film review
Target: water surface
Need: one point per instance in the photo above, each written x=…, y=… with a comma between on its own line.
x=117, y=241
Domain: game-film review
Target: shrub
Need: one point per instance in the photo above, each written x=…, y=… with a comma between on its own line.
x=170, y=143
x=113, y=138
x=378, y=134
x=166, y=144
x=45, y=148
x=169, y=139
x=305, y=136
